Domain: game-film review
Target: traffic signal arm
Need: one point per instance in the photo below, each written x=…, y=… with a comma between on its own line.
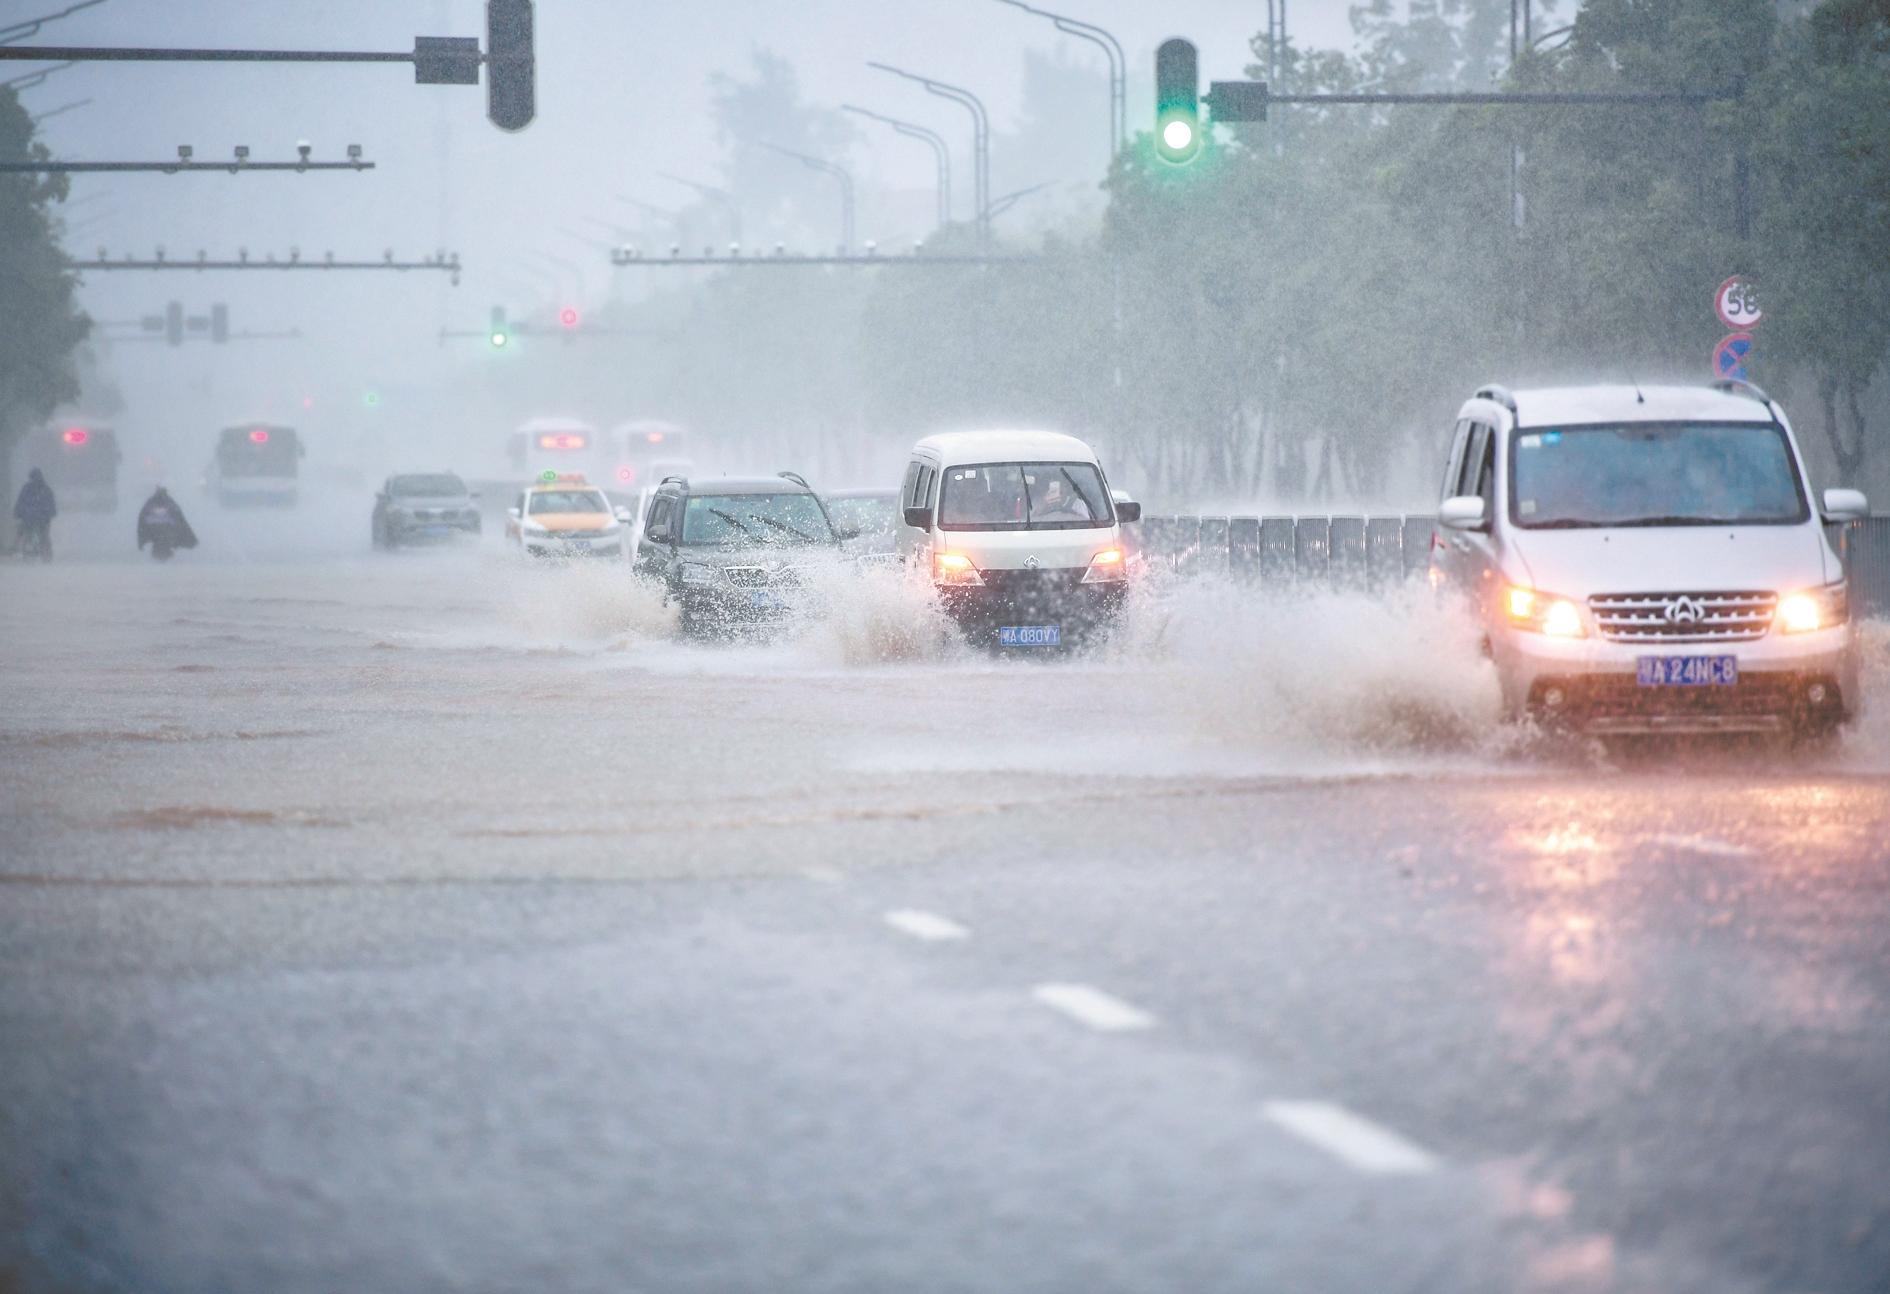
x=1238, y=100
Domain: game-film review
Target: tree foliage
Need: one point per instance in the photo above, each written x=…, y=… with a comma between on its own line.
x=40, y=326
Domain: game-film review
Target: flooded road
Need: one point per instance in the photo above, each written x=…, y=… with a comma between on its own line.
x=431, y=922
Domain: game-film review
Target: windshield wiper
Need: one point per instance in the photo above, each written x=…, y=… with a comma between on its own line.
x=801, y=535
x=734, y=521
x=1674, y=519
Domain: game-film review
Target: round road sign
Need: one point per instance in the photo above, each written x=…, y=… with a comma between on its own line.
x=1731, y=355
x=1737, y=303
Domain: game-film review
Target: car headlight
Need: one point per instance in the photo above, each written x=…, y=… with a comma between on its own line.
x=1814, y=609
x=695, y=574
x=956, y=569
x=1106, y=567
x=1543, y=613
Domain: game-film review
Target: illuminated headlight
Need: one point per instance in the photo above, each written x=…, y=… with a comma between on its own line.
x=1543, y=613
x=1814, y=609
x=955, y=568
x=694, y=574
x=1106, y=567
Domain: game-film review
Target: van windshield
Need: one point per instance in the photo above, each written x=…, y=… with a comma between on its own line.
x=1024, y=496
x=1654, y=474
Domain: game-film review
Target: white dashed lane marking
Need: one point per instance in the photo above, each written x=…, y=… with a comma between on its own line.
x=1093, y=1007
x=928, y=926
x=1351, y=1138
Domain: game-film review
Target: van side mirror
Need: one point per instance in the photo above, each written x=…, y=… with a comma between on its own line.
x=1464, y=512
x=657, y=534
x=1845, y=505
x=1128, y=511
x=846, y=533
x=624, y=515
x=919, y=518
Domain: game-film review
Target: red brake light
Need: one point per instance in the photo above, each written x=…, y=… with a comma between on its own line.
x=76, y=436
x=259, y=437
x=655, y=437
x=561, y=440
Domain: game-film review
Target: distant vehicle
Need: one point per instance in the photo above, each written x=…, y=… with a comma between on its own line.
x=1019, y=534
x=643, y=452
x=558, y=446
x=732, y=553
x=873, y=515
x=423, y=507
x=567, y=517
x=1649, y=560
x=256, y=464
x=80, y=462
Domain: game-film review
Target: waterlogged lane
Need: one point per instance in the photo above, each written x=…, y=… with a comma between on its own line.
x=443, y=816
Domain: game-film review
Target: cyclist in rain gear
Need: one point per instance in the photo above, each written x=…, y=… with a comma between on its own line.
x=161, y=524
x=34, y=510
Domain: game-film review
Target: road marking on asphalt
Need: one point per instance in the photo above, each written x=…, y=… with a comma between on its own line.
x=823, y=875
x=1093, y=1007
x=928, y=926
x=1349, y=1137
x=1703, y=845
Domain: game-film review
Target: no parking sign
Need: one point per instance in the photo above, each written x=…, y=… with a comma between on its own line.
x=1730, y=356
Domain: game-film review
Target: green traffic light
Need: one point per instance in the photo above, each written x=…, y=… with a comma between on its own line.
x=1179, y=138
x=499, y=339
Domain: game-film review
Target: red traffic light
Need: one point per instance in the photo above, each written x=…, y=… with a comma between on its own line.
x=568, y=317
x=76, y=436
x=259, y=437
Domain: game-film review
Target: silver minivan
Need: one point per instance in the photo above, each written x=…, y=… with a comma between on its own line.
x=1649, y=560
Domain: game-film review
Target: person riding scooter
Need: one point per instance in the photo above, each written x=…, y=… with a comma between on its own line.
x=34, y=510
x=161, y=524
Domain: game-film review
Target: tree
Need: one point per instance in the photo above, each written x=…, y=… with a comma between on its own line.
x=40, y=325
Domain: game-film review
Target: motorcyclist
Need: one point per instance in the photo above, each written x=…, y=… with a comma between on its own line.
x=161, y=524
x=34, y=511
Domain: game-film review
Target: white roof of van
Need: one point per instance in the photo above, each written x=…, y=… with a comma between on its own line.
x=1007, y=447
x=1573, y=405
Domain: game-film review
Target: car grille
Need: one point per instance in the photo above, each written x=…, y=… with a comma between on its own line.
x=750, y=577
x=1683, y=617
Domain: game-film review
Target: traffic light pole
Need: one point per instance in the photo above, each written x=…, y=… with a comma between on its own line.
x=509, y=60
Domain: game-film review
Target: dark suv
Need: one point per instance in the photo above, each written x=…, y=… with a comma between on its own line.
x=732, y=552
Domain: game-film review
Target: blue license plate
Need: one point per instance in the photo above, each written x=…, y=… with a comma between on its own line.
x=1030, y=636
x=1687, y=671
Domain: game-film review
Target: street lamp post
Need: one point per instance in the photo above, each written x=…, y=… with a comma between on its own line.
x=939, y=150
x=980, y=141
x=721, y=197
x=846, y=188
x=1118, y=66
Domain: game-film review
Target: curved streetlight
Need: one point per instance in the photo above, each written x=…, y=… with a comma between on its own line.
x=1118, y=66
x=939, y=150
x=721, y=197
x=839, y=173
x=980, y=140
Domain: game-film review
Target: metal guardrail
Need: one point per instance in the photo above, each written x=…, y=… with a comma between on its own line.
x=1378, y=551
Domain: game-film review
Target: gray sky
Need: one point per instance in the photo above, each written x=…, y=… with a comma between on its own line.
x=623, y=94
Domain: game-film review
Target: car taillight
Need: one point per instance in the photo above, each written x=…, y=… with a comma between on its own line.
x=259, y=437
x=76, y=436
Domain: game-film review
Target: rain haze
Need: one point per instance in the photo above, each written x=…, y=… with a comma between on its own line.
x=1275, y=681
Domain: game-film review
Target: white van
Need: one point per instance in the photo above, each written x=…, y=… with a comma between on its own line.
x=1649, y=560
x=1019, y=532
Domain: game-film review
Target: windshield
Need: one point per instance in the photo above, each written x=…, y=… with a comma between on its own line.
x=869, y=516
x=1024, y=496
x=565, y=501
x=755, y=519
x=1654, y=474
x=428, y=487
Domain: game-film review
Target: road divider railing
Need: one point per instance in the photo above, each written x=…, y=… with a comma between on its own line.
x=1339, y=551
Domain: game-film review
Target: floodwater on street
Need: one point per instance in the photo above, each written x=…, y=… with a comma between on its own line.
x=434, y=920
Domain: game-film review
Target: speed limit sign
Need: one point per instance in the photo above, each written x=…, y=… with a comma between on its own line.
x=1737, y=302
